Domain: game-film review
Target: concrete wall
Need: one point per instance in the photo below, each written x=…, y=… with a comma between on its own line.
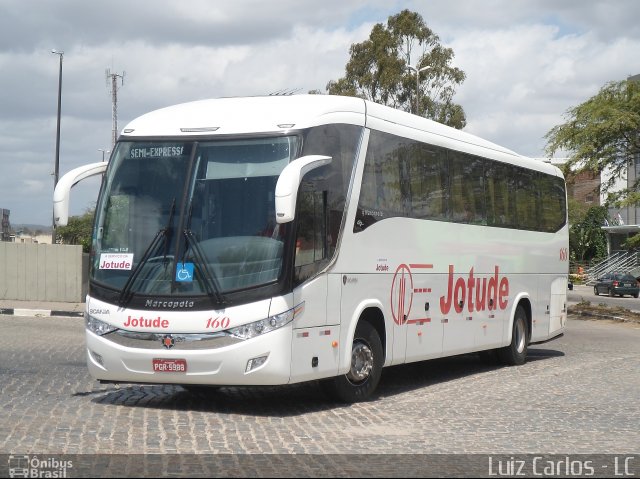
x=42, y=272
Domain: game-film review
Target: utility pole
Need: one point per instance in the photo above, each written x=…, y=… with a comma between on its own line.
x=112, y=84
x=56, y=171
x=415, y=69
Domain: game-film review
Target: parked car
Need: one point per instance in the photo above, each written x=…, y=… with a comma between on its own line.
x=617, y=283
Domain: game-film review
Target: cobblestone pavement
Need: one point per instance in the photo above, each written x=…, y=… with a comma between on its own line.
x=578, y=394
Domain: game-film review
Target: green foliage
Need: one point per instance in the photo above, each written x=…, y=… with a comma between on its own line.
x=77, y=231
x=633, y=242
x=577, y=210
x=378, y=70
x=602, y=133
x=587, y=240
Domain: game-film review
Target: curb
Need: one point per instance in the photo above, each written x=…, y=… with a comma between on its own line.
x=40, y=312
x=610, y=317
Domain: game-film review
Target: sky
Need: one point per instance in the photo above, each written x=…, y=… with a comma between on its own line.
x=526, y=63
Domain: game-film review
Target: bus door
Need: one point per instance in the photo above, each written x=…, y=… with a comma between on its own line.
x=317, y=326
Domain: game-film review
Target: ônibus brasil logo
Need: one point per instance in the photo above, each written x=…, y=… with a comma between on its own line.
x=23, y=465
x=467, y=291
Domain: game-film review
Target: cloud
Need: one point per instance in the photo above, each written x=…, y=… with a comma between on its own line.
x=520, y=80
x=526, y=64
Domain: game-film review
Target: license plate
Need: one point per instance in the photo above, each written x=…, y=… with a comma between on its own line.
x=627, y=285
x=169, y=365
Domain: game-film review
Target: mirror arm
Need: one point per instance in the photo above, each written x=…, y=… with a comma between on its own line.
x=63, y=188
x=289, y=182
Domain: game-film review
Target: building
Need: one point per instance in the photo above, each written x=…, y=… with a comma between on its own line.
x=583, y=187
x=625, y=222
x=27, y=238
x=5, y=232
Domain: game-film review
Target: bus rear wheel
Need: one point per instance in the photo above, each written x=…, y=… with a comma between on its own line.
x=366, y=367
x=516, y=353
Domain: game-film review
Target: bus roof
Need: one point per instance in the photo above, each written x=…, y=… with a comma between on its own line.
x=242, y=115
x=279, y=114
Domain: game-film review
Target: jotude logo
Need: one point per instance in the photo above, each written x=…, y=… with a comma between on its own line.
x=143, y=322
x=477, y=293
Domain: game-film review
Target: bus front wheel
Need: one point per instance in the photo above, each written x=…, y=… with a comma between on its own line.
x=365, y=370
x=516, y=353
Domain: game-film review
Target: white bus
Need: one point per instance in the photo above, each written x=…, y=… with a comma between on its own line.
x=274, y=240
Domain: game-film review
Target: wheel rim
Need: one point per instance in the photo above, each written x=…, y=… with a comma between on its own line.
x=520, y=336
x=361, y=362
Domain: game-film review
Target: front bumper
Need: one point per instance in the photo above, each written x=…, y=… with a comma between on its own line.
x=110, y=361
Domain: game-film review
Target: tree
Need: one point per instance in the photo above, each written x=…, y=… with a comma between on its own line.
x=603, y=134
x=587, y=240
x=577, y=210
x=378, y=70
x=77, y=231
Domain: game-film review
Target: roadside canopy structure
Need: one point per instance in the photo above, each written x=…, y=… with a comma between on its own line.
x=617, y=235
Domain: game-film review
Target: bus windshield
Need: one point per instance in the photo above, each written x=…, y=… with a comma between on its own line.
x=189, y=218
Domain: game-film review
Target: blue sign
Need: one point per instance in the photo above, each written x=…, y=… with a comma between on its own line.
x=184, y=272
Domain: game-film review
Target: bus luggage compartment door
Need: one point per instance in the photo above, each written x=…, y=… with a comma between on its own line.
x=558, y=306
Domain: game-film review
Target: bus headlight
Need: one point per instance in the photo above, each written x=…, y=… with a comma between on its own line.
x=251, y=330
x=97, y=326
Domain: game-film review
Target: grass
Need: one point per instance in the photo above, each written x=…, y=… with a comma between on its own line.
x=602, y=311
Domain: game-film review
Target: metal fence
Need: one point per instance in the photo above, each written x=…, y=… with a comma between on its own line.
x=619, y=261
x=43, y=272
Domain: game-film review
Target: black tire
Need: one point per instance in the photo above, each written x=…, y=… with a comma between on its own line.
x=489, y=356
x=516, y=353
x=595, y=290
x=367, y=358
x=201, y=389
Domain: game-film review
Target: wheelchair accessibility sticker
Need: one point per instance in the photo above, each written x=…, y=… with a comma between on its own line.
x=184, y=272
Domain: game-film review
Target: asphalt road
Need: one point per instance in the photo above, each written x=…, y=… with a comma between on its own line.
x=576, y=395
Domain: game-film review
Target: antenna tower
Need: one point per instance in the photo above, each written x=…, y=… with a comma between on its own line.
x=112, y=85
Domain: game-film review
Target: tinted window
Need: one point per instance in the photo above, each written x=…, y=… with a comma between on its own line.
x=625, y=277
x=526, y=199
x=322, y=195
x=553, y=208
x=500, y=195
x=380, y=194
x=428, y=181
x=407, y=178
x=467, y=188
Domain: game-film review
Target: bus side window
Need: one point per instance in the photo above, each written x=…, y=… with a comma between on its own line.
x=311, y=237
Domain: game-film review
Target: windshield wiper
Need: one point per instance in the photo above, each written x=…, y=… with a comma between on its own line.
x=161, y=235
x=208, y=276
x=210, y=281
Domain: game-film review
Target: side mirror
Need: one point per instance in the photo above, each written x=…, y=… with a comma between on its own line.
x=289, y=182
x=63, y=188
